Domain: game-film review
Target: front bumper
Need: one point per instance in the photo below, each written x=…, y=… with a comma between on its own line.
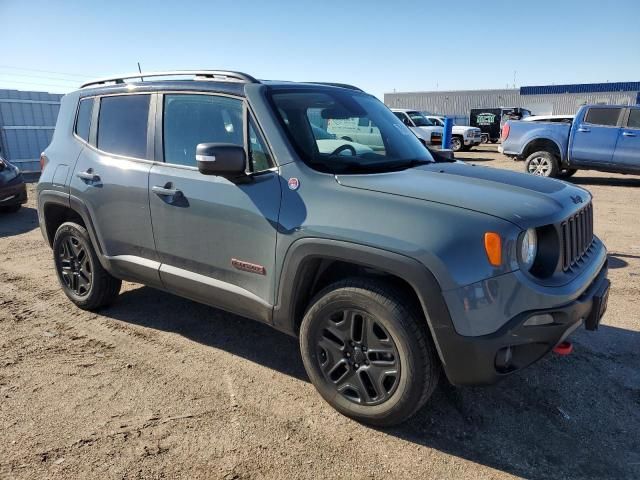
x=15, y=193
x=473, y=141
x=485, y=359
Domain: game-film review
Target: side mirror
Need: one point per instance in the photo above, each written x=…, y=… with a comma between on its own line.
x=221, y=159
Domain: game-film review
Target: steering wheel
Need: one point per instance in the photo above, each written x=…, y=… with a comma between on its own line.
x=342, y=148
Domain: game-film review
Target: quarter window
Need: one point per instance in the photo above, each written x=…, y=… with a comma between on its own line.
x=83, y=122
x=634, y=118
x=258, y=153
x=603, y=116
x=122, y=125
x=193, y=119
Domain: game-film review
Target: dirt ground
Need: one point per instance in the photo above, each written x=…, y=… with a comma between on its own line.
x=161, y=387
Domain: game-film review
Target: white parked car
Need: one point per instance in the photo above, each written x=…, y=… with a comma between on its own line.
x=425, y=129
x=462, y=137
x=328, y=143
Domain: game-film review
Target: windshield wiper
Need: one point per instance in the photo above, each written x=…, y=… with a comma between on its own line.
x=354, y=167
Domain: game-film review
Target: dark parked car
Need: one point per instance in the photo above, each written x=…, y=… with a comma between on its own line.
x=13, y=191
x=391, y=266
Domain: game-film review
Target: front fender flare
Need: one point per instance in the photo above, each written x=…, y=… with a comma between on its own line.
x=413, y=272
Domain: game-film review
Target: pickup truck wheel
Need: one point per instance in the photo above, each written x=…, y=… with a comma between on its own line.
x=82, y=277
x=456, y=144
x=567, y=172
x=543, y=164
x=369, y=355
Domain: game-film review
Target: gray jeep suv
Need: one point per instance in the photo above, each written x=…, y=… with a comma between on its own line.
x=389, y=264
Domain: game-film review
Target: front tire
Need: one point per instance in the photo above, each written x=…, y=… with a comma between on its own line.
x=367, y=352
x=543, y=164
x=83, y=279
x=457, y=144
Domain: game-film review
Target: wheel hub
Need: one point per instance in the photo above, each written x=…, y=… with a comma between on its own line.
x=358, y=357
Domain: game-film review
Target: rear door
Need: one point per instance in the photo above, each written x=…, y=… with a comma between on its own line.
x=594, y=138
x=215, y=238
x=627, y=154
x=111, y=180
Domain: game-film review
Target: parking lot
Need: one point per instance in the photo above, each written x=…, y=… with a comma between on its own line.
x=160, y=387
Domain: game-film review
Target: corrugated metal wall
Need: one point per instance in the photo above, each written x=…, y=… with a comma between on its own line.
x=459, y=103
x=27, y=120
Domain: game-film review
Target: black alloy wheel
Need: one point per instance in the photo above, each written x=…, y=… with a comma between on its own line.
x=75, y=265
x=358, y=355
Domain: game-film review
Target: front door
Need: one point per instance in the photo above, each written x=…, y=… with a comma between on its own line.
x=627, y=153
x=595, y=138
x=215, y=237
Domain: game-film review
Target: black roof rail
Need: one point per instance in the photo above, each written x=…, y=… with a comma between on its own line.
x=341, y=85
x=216, y=75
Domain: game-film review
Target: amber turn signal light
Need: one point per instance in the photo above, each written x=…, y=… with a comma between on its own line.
x=493, y=247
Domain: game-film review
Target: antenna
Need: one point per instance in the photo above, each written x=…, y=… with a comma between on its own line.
x=140, y=71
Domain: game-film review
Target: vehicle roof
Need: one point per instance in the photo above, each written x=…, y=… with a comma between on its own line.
x=404, y=110
x=232, y=86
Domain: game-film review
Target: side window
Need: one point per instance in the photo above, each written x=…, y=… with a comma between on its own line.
x=258, y=153
x=634, y=118
x=603, y=116
x=404, y=118
x=122, y=125
x=192, y=119
x=363, y=122
x=83, y=122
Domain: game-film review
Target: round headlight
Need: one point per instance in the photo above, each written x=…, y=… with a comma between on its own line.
x=528, y=247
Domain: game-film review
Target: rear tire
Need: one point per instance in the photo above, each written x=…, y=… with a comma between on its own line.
x=82, y=277
x=543, y=164
x=368, y=353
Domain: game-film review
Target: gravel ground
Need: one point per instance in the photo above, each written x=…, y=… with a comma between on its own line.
x=161, y=387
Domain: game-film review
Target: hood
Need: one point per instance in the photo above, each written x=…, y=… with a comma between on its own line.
x=434, y=128
x=523, y=199
x=463, y=128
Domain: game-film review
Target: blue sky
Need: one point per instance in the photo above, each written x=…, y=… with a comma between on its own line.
x=379, y=46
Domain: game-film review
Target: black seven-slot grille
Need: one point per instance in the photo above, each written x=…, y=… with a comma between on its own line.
x=577, y=236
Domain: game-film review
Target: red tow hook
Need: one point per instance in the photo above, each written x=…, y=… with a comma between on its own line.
x=563, y=348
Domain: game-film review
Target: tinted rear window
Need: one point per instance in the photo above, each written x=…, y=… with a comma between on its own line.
x=603, y=116
x=634, y=118
x=83, y=122
x=122, y=125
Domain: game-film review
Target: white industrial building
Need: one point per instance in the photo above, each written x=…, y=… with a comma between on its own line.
x=541, y=100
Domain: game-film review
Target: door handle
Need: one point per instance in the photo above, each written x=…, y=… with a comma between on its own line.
x=628, y=134
x=166, y=191
x=584, y=129
x=89, y=176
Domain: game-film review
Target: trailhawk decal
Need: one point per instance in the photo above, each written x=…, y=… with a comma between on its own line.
x=248, y=267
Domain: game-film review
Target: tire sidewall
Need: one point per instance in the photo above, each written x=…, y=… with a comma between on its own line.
x=406, y=393
x=457, y=144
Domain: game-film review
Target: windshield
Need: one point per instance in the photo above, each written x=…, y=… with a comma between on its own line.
x=342, y=131
x=420, y=120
